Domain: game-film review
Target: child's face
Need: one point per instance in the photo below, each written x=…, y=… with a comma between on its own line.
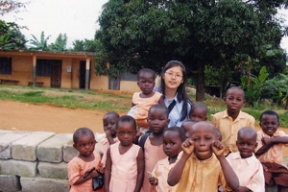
x=269, y=124
x=85, y=145
x=157, y=120
x=234, y=100
x=246, y=144
x=171, y=143
x=198, y=114
x=146, y=82
x=125, y=133
x=109, y=123
x=202, y=136
x=173, y=77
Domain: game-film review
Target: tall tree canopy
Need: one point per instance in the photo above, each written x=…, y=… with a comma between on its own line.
x=232, y=34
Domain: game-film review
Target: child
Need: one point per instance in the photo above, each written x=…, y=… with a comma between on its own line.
x=173, y=138
x=186, y=125
x=246, y=166
x=197, y=168
x=124, y=168
x=199, y=112
x=232, y=119
x=81, y=168
x=173, y=83
x=269, y=151
x=142, y=101
x=109, y=124
x=153, y=145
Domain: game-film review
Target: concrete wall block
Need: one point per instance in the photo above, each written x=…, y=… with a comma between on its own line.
x=25, y=147
x=51, y=149
x=20, y=168
x=6, y=141
x=9, y=183
x=69, y=151
x=43, y=184
x=53, y=170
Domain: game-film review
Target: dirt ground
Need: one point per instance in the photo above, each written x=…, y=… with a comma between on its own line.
x=30, y=117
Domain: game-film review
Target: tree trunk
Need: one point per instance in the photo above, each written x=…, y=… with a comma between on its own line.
x=200, y=85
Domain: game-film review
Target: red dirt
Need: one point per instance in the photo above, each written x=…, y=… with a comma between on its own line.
x=30, y=117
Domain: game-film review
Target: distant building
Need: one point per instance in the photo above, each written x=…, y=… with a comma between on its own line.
x=68, y=70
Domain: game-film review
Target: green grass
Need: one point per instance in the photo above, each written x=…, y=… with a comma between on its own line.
x=101, y=101
x=69, y=98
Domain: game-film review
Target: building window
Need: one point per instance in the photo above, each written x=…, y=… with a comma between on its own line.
x=114, y=84
x=5, y=65
x=129, y=77
x=43, y=67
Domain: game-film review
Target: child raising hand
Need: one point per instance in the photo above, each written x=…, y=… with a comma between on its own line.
x=202, y=165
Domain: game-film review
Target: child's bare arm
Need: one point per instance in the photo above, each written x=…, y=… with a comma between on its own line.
x=140, y=170
x=230, y=176
x=88, y=175
x=107, y=173
x=176, y=172
x=269, y=142
x=109, y=137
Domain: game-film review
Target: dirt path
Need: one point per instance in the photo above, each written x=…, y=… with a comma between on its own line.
x=23, y=116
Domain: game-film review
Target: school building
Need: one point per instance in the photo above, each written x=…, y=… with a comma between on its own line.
x=67, y=70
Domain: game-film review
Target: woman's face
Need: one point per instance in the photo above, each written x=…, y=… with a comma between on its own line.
x=173, y=77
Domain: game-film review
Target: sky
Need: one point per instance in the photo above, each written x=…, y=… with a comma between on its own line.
x=78, y=19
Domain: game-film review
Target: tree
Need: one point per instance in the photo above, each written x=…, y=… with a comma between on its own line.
x=41, y=44
x=226, y=34
x=60, y=43
x=85, y=45
x=10, y=37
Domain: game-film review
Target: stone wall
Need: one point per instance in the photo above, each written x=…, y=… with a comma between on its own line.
x=34, y=161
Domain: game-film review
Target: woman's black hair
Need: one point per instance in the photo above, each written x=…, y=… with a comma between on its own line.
x=181, y=90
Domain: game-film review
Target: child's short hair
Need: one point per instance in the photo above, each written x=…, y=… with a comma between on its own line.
x=82, y=131
x=126, y=118
x=269, y=112
x=179, y=130
x=159, y=106
x=200, y=105
x=248, y=130
x=112, y=113
x=146, y=70
x=235, y=88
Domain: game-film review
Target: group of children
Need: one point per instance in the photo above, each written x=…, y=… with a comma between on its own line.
x=196, y=155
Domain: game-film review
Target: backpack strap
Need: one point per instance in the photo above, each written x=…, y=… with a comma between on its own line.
x=143, y=139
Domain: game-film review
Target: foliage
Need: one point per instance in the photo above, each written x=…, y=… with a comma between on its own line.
x=277, y=89
x=85, y=45
x=41, y=44
x=253, y=86
x=226, y=33
x=10, y=37
x=60, y=43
